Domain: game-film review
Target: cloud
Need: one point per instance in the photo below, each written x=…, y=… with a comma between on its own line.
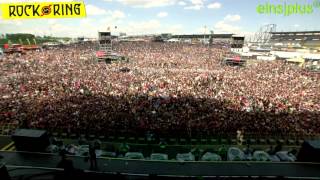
x=182, y=3
x=195, y=5
x=224, y=27
x=162, y=14
x=215, y=5
x=232, y=18
x=196, y=1
x=15, y=22
x=147, y=3
x=60, y=28
x=52, y=21
x=227, y=25
x=94, y=10
x=153, y=26
x=117, y=14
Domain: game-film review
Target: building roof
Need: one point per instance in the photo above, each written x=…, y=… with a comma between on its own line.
x=202, y=35
x=295, y=32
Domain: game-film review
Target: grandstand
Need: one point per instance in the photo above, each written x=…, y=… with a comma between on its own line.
x=214, y=38
x=308, y=39
x=199, y=36
x=186, y=38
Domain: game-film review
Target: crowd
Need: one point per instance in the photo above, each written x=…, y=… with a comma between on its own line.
x=171, y=89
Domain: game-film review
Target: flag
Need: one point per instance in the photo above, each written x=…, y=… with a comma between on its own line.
x=237, y=58
x=6, y=46
x=101, y=53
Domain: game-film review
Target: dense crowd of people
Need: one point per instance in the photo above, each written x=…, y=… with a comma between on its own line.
x=171, y=89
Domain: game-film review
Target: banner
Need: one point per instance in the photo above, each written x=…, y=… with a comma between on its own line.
x=43, y=10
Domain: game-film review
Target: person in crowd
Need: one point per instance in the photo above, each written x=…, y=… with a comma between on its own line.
x=65, y=163
x=93, y=157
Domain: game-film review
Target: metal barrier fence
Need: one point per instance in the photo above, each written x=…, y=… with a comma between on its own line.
x=7, y=129
x=267, y=139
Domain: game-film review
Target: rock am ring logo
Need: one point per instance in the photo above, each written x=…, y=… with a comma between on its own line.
x=46, y=10
x=43, y=10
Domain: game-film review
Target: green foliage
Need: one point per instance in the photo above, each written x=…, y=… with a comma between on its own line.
x=20, y=36
x=15, y=39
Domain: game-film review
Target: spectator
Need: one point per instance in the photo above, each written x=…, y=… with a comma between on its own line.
x=65, y=163
x=93, y=157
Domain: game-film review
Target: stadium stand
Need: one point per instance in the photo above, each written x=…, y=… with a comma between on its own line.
x=305, y=38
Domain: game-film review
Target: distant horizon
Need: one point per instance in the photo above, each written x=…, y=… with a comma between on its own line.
x=318, y=31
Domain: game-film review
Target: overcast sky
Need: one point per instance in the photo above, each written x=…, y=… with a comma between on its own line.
x=165, y=16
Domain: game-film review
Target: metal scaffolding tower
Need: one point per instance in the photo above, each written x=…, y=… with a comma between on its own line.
x=264, y=34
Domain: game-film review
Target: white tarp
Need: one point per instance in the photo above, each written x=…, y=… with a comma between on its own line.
x=285, y=55
x=266, y=58
x=312, y=56
x=246, y=54
x=173, y=40
x=288, y=55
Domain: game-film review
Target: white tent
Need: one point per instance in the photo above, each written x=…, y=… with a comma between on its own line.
x=288, y=55
x=173, y=40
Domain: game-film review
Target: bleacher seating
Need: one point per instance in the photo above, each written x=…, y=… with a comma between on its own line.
x=311, y=39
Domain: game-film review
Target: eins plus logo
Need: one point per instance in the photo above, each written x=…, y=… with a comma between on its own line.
x=287, y=8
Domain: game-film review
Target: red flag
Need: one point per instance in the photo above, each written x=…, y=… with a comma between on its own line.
x=100, y=53
x=6, y=46
x=237, y=58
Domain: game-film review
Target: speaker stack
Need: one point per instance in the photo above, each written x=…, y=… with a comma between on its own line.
x=4, y=175
x=31, y=140
x=310, y=151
